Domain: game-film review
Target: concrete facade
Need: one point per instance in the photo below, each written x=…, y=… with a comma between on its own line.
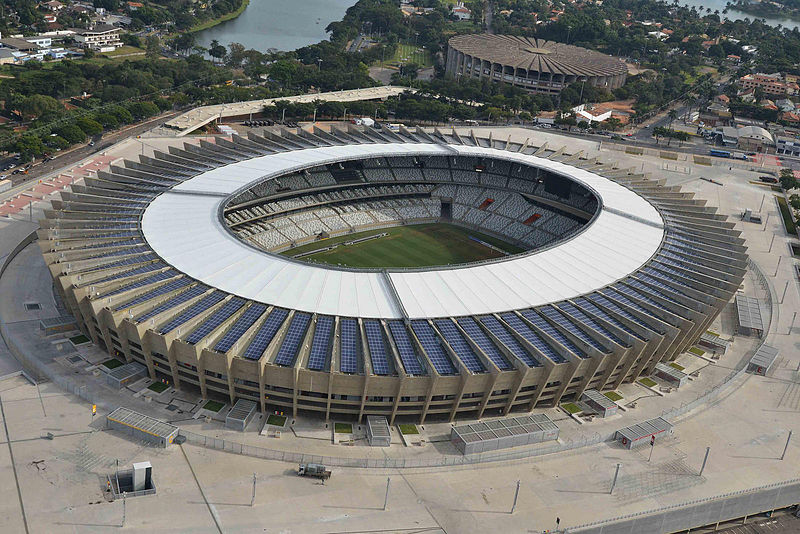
x=622, y=332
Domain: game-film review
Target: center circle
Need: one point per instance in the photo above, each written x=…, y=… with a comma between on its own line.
x=409, y=212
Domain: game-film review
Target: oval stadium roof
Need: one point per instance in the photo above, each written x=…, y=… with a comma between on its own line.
x=183, y=227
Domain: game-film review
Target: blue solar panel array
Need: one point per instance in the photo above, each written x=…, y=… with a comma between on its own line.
x=191, y=293
x=550, y=330
x=650, y=291
x=122, y=252
x=486, y=345
x=634, y=288
x=558, y=318
x=429, y=341
x=405, y=348
x=161, y=290
x=586, y=320
x=532, y=337
x=147, y=280
x=377, y=348
x=661, y=275
x=505, y=337
x=193, y=311
x=460, y=346
x=245, y=321
x=658, y=282
x=630, y=303
x=349, y=345
x=320, y=346
x=133, y=272
x=265, y=334
x=294, y=336
x=589, y=307
x=139, y=258
x=216, y=319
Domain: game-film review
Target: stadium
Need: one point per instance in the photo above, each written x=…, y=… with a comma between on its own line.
x=427, y=276
x=535, y=65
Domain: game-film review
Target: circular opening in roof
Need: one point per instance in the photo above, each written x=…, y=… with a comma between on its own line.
x=410, y=212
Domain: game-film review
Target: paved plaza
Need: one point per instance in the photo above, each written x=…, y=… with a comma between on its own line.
x=58, y=484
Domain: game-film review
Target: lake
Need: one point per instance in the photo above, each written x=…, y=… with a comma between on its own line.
x=291, y=24
x=735, y=14
x=282, y=24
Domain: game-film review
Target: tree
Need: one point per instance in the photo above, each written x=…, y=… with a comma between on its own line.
x=794, y=201
x=108, y=120
x=567, y=120
x=612, y=123
x=72, y=134
x=672, y=115
x=29, y=146
x=183, y=42
x=38, y=105
x=89, y=126
x=152, y=46
x=217, y=51
x=788, y=180
x=56, y=141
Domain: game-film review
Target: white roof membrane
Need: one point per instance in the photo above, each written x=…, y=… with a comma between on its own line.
x=186, y=231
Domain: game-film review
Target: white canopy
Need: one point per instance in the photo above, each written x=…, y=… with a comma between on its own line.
x=183, y=226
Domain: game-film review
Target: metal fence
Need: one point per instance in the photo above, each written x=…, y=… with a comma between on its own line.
x=389, y=463
x=700, y=512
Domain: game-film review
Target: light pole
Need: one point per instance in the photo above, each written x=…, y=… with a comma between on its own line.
x=516, y=496
x=786, y=447
x=614, y=482
x=705, y=459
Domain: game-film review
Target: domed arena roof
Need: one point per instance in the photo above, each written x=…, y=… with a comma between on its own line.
x=538, y=55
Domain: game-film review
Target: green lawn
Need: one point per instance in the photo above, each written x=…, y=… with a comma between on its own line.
x=613, y=395
x=125, y=51
x=648, y=382
x=695, y=350
x=80, y=339
x=213, y=406
x=420, y=245
x=408, y=429
x=158, y=387
x=571, y=408
x=408, y=53
x=786, y=213
x=343, y=428
x=276, y=420
x=113, y=363
x=677, y=366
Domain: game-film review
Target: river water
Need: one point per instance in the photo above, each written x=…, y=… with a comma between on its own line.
x=282, y=24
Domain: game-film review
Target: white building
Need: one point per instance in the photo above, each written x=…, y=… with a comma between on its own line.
x=590, y=115
x=461, y=12
x=103, y=38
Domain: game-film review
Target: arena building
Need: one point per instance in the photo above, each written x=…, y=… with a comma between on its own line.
x=534, y=64
x=173, y=261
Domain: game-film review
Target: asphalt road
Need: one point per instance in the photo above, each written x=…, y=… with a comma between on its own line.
x=75, y=155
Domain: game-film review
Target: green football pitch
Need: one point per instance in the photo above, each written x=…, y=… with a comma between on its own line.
x=421, y=245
